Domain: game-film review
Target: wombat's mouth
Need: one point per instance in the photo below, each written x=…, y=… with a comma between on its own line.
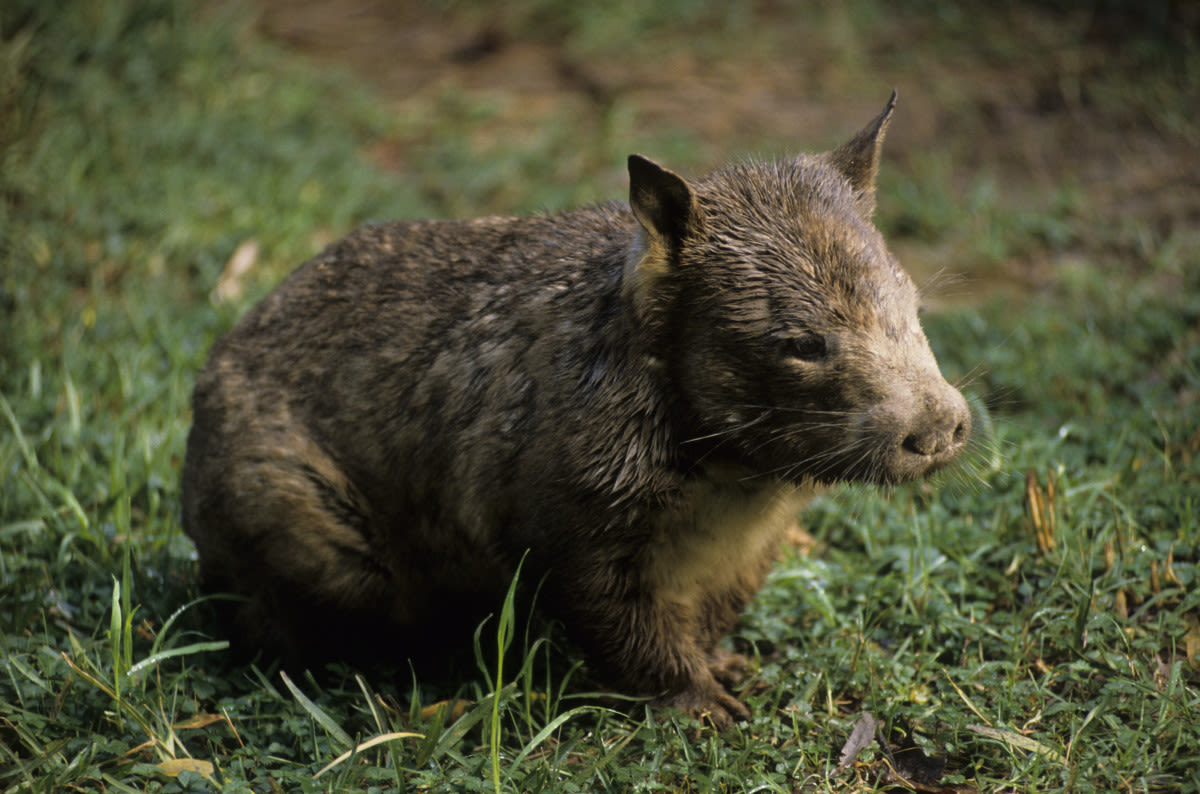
x=884, y=446
x=923, y=450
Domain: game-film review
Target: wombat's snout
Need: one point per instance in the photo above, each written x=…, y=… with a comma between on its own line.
x=920, y=426
x=939, y=430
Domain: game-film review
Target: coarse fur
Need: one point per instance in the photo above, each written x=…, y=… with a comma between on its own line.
x=640, y=398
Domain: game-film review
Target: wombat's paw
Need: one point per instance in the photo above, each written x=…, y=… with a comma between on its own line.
x=727, y=667
x=711, y=705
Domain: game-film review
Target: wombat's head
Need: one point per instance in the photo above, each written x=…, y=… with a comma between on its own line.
x=789, y=332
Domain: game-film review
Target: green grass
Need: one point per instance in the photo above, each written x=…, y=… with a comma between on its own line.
x=142, y=142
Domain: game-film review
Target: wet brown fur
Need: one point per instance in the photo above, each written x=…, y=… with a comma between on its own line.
x=641, y=397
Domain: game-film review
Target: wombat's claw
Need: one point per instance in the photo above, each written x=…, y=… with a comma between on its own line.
x=727, y=667
x=731, y=710
x=714, y=707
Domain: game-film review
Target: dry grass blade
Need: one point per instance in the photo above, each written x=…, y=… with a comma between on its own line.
x=1039, y=504
x=367, y=745
x=1018, y=741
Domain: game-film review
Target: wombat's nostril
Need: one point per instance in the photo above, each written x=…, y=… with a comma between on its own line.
x=960, y=433
x=921, y=444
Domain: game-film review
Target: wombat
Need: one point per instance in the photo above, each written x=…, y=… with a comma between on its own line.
x=636, y=399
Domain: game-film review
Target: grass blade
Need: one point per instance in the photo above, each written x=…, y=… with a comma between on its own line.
x=317, y=713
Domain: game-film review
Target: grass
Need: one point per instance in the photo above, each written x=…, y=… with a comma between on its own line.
x=1033, y=619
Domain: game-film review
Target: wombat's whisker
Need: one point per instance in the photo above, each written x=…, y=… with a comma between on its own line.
x=807, y=412
x=816, y=465
x=980, y=456
x=728, y=431
x=970, y=377
x=940, y=283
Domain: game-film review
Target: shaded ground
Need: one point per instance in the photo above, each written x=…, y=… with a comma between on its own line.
x=1078, y=122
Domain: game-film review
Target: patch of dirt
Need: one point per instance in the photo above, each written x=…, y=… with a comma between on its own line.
x=1034, y=109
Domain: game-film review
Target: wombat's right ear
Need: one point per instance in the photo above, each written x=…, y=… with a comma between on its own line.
x=666, y=209
x=661, y=201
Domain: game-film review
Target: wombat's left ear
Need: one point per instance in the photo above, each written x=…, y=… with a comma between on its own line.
x=858, y=158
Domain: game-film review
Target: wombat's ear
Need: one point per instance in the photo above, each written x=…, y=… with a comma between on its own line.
x=661, y=201
x=666, y=208
x=858, y=158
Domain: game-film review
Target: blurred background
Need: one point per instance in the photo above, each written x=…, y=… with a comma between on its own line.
x=1029, y=135
x=1031, y=138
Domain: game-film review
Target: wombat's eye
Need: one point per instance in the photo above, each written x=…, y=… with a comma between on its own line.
x=806, y=347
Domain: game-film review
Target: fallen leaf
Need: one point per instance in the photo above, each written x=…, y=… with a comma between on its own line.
x=230, y=284
x=174, y=766
x=453, y=708
x=860, y=739
x=198, y=721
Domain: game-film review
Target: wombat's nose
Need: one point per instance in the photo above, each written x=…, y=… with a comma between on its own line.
x=945, y=429
x=934, y=443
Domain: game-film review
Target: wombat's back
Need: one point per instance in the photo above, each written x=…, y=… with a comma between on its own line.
x=410, y=284
x=394, y=383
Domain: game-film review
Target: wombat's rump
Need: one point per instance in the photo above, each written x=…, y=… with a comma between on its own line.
x=641, y=397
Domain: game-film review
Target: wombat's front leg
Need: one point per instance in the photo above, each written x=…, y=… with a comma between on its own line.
x=655, y=645
x=691, y=677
